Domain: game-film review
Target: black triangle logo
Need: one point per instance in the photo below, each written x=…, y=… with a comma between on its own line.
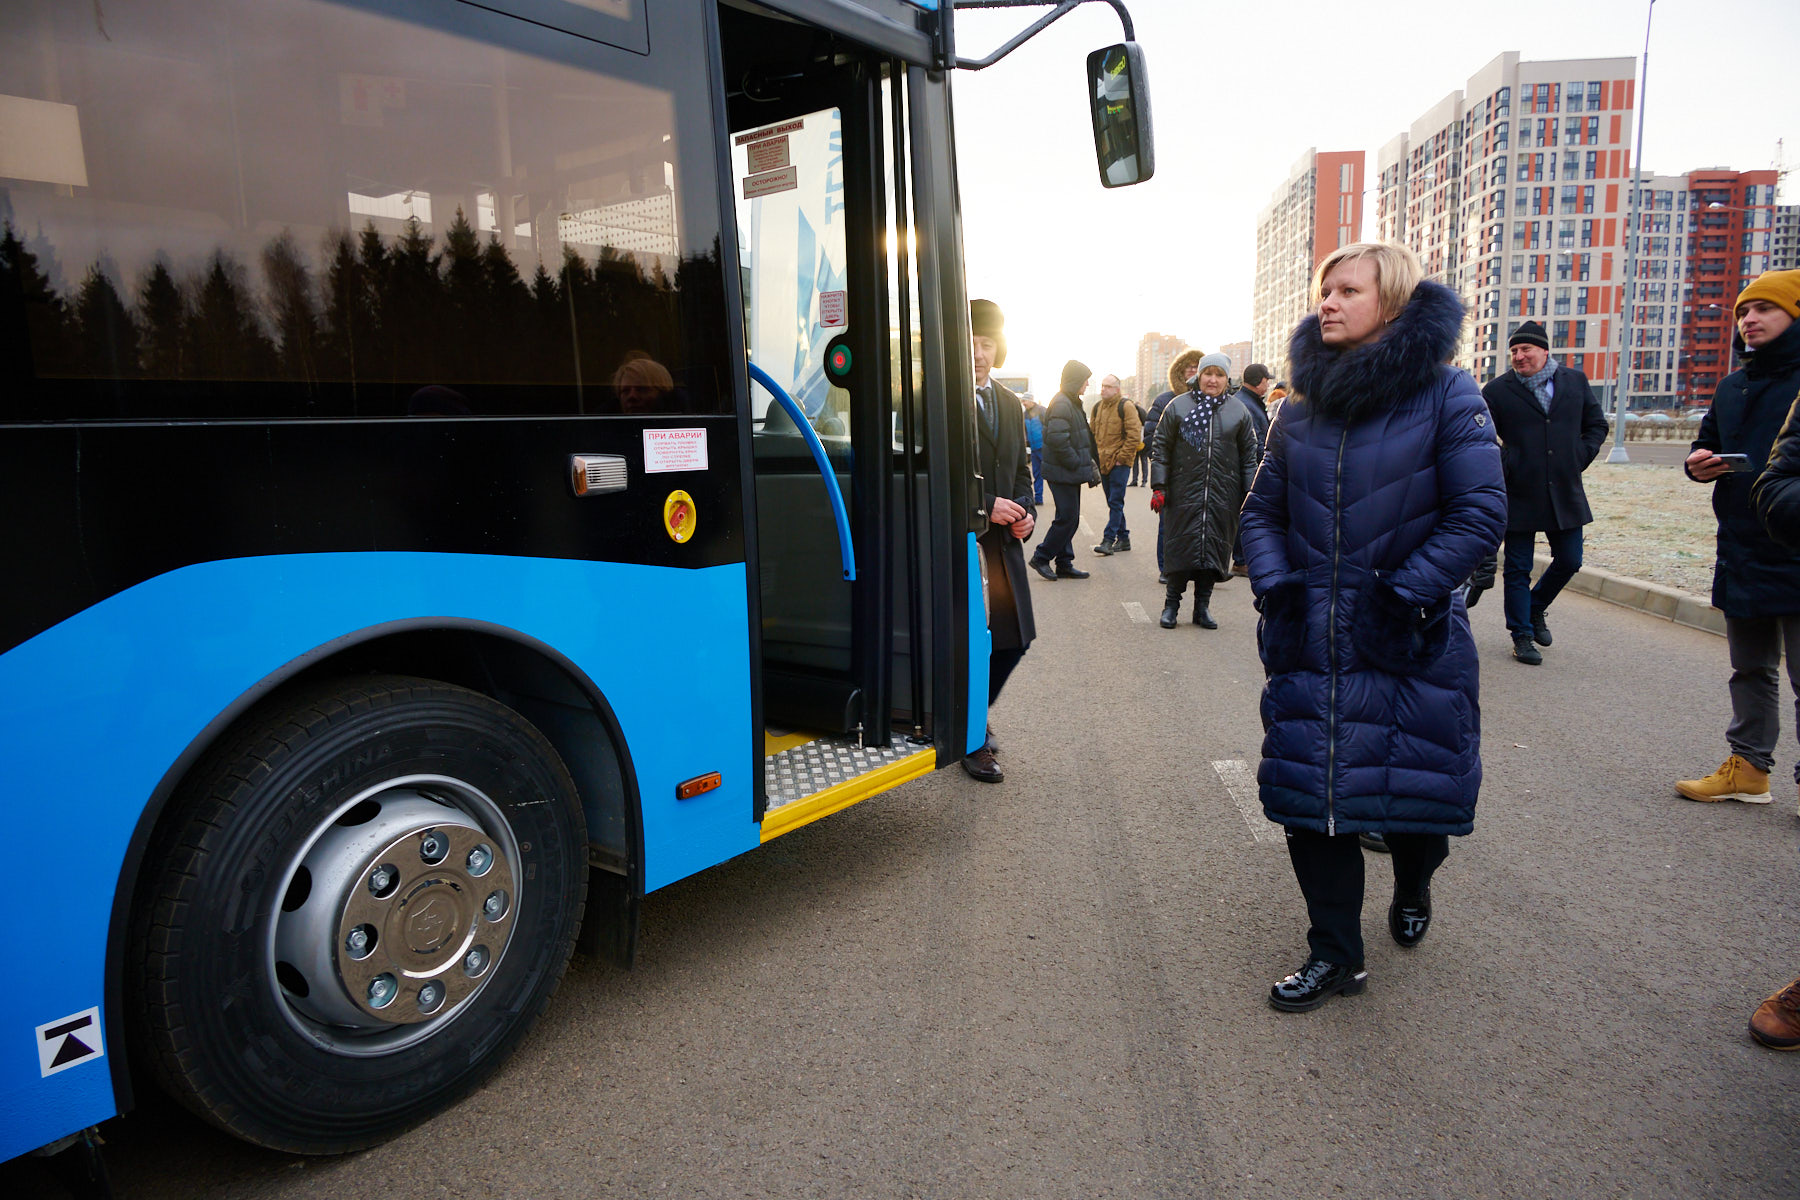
x=73, y=1050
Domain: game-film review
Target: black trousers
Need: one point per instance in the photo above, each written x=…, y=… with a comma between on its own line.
x=1059, y=542
x=1330, y=871
x=1178, y=581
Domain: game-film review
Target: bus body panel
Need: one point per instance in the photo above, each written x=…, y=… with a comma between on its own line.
x=94, y=711
x=981, y=644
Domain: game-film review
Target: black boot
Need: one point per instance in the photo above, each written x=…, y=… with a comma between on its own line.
x=1170, y=611
x=1203, y=618
x=1315, y=983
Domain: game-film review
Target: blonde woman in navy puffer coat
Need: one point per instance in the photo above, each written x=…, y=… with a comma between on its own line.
x=1380, y=491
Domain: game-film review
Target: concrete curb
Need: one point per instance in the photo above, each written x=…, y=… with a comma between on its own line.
x=1680, y=607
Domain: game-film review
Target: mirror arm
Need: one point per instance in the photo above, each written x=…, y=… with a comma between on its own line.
x=1063, y=9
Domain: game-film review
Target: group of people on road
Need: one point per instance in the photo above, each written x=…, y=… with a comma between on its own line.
x=1367, y=504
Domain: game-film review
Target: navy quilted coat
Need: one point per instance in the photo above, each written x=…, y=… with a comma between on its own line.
x=1380, y=491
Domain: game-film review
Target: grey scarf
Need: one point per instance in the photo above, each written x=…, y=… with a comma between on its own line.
x=1540, y=383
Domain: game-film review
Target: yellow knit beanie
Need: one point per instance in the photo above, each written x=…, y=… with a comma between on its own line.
x=1780, y=288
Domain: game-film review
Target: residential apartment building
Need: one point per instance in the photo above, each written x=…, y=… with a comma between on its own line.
x=1154, y=354
x=1513, y=192
x=1239, y=354
x=1731, y=240
x=1784, y=246
x=1317, y=209
x=1660, y=248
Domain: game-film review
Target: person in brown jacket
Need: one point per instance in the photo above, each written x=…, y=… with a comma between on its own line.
x=1118, y=436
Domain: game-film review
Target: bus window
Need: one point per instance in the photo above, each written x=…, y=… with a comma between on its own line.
x=361, y=216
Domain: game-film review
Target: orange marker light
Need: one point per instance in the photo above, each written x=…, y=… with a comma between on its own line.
x=697, y=785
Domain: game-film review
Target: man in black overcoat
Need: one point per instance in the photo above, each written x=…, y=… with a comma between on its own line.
x=1005, y=465
x=1550, y=428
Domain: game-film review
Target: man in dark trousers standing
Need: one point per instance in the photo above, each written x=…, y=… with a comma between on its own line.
x=1005, y=466
x=1550, y=428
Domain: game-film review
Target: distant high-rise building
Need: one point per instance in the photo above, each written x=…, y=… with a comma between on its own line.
x=1155, y=352
x=1316, y=210
x=1239, y=354
x=1662, y=264
x=1513, y=192
x=1784, y=247
x=1731, y=240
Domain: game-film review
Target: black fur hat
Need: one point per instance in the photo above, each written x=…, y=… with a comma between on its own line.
x=986, y=320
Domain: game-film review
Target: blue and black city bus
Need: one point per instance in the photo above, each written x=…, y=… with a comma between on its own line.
x=465, y=467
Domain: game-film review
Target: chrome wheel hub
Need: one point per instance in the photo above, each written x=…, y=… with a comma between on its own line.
x=394, y=914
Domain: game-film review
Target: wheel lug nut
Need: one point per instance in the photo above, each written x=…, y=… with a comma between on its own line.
x=430, y=996
x=475, y=961
x=480, y=859
x=360, y=941
x=432, y=847
x=382, y=990
x=495, y=906
x=382, y=880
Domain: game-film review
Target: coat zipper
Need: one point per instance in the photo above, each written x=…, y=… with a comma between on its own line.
x=1337, y=520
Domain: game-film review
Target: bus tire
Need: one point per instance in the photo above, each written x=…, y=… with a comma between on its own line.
x=360, y=903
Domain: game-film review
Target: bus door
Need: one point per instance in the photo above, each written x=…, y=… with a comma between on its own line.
x=810, y=141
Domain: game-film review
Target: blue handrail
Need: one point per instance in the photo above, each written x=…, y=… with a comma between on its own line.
x=845, y=549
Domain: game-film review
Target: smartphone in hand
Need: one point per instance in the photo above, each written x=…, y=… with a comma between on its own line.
x=1735, y=462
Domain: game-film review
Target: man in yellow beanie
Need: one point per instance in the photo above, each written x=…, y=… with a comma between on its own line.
x=1756, y=580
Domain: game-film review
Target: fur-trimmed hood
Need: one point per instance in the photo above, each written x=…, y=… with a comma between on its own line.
x=1349, y=385
x=1178, y=370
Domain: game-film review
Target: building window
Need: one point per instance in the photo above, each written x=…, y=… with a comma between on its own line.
x=1593, y=130
x=1591, y=166
x=1562, y=303
x=1543, y=97
x=1518, y=269
x=1572, y=94
x=1581, y=300
x=1587, y=198
x=1593, y=96
x=1571, y=196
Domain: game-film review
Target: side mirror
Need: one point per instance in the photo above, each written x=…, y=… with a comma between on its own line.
x=1119, y=93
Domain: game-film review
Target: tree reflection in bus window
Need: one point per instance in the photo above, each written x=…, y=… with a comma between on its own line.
x=356, y=215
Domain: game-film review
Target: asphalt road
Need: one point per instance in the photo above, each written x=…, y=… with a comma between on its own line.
x=1054, y=987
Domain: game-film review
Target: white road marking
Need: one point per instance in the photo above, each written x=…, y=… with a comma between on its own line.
x=1136, y=612
x=1240, y=781
x=1087, y=530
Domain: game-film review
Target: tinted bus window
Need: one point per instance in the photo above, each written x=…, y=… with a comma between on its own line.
x=290, y=209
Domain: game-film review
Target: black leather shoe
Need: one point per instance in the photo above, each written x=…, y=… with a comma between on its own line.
x=992, y=747
x=1540, y=632
x=981, y=765
x=1122, y=546
x=1203, y=619
x=1104, y=549
x=1169, y=613
x=1525, y=652
x=1071, y=572
x=1314, y=984
x=1409, y=919
x=1162, y=577
x=1043, y=570
x=1373, y=841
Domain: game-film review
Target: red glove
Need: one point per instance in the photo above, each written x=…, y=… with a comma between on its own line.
x=1156, y=501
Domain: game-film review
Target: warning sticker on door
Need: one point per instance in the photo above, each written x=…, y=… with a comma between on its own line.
x=831, y=310
x=771, y=182
x=771, y=155
x=69, y=1042
x=674, y=450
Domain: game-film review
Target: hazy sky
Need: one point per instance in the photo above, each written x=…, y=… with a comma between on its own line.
x=1240, y=91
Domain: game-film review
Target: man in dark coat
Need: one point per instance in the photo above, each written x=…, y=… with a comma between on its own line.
x=1257, y=382
x=1756, y=580
x=1068, y=463
x=1550, y=428
x=1005, y=466
x=1203, y=460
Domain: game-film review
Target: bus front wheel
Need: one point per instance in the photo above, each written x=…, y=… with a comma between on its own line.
x=359, y=904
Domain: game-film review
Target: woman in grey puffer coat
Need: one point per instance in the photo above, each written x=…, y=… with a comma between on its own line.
x=1204, y=460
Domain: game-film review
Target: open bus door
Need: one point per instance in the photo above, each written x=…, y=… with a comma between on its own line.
x=844, y=552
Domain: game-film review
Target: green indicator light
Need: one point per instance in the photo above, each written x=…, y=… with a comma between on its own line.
x=840, y=361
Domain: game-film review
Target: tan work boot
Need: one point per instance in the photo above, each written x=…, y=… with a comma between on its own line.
x=1776, y=1021
x=1734, y=780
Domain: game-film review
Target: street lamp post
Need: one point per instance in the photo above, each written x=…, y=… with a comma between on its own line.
x=1622, y=384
